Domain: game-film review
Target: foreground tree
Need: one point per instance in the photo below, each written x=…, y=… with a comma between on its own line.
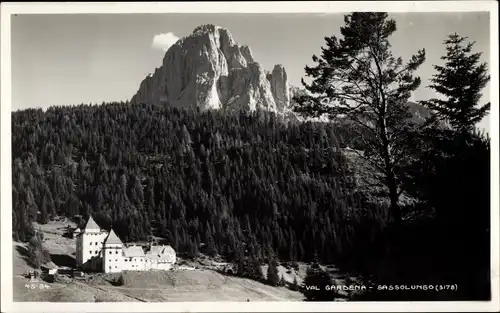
x=450, y=176
x=460, y=81
x=358, y=78
x=453, y=175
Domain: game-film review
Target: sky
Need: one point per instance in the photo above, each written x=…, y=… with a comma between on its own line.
x=69, y=59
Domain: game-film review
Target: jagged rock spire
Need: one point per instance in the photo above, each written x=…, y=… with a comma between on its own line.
x=209, y=70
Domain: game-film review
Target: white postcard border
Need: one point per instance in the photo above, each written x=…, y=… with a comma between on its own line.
x=237, y=7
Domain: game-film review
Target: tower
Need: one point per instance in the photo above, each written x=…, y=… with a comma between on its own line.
x=112, y=254
x=89, y=244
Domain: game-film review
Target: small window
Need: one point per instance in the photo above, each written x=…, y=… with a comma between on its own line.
x=116, y=252
x=115, y=266
x=90, y=252
x=116, y=260
x=96, y=251
x=126, y=260
x=110, y=252
x=110, y=267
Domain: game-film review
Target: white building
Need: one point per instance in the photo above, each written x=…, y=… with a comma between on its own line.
x=160, y=257
x=112, y=254
x=133, y=259
x=98, y=249
x=89, y=245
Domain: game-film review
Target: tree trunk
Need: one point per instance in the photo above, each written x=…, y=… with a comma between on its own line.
x=393, y=194
x=390, y=176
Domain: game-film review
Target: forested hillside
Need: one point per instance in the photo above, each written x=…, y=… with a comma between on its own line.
x=248, y=184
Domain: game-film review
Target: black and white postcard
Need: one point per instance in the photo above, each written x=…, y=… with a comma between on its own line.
x=250, y=156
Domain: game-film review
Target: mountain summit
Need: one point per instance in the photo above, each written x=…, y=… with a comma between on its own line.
x=209, y=70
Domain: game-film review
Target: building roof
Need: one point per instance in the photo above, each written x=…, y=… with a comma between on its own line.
x=77, y=230
x=161, y=249
x=168, y=249
x=159, y=252
x=113, y=239
x=133, y=251
x=152, y=256
x=155, y=250
x=92, y=225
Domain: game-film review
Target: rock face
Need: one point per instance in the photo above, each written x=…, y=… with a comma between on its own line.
x=209, y=70
x=279, y=87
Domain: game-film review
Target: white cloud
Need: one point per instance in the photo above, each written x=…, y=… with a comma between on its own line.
x=164, y=41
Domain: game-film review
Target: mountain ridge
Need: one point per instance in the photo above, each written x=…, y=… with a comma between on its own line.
x=208, y=69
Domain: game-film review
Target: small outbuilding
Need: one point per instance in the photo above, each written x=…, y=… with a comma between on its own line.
x=76, y=232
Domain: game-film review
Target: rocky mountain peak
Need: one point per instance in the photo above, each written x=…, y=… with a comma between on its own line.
x=210, y=70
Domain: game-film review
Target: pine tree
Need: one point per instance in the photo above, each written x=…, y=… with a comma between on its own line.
x=241, y=267
x=295, y=284
x=460, y=81
x=192, y=249
x=211, y=248
x=282, y=281
x=319, y=279
x=44, y=209
x=256, y=270
x=272, y=273
x=358, y=78
x=37, y=253
x=186, y=137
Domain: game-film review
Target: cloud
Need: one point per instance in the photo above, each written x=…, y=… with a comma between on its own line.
x=164, y=41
